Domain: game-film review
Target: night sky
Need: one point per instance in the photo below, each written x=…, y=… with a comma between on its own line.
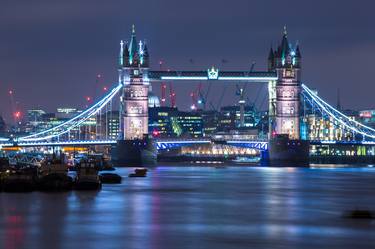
x=51, y=51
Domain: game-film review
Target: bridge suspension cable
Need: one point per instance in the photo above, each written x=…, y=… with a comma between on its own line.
x=74, y=122
x=338, y=116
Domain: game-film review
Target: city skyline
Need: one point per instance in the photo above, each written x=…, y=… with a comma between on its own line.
x=57, y=54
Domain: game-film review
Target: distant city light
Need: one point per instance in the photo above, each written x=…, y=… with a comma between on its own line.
x=17, y=114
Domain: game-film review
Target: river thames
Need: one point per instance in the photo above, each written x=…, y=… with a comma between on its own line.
x=199, y=207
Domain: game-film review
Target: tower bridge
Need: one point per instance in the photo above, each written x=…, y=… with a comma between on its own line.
x=134, y=145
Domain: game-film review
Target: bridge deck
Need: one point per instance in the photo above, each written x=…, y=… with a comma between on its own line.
x=206, y=75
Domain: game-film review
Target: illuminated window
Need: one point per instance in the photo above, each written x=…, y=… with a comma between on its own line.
x=288, y=110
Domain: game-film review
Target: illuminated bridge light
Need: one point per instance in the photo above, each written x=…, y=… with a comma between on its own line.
x=183, y=78
x=266, y=79
x=260, y=145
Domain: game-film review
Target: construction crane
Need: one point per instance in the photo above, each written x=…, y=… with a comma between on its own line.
x=202, y=101
x=172, y=95
x=16, y=113
x=163, y=93
x=195, y=97
x=241, y=102
x=163, y=87
x=221, y=98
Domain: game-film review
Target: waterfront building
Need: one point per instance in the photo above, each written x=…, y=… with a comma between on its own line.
x=230, y=118
x=153, y=100
x=191, y=124
x=210, y=122
x=66, y=112
x=108, y=125
x=168, y=122
x=2, y=126
x=163, y=122
x=39, y=120
x=323, y=128
x=34, y=114
x=33, y=120
x=367, y=117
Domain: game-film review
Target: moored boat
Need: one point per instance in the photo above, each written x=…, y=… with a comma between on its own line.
x=140, y=172
x=110, y=178
x=18, y=180
x=246, y=160
x=87, y=176
x=53, y=176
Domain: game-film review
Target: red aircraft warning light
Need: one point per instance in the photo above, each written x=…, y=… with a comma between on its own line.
x=17, y=115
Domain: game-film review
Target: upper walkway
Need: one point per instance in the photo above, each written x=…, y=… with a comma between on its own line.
x=212, y=74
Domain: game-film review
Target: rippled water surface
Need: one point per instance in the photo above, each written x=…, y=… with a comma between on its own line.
x=199, y=207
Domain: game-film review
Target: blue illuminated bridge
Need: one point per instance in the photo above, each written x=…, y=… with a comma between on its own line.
x=285, y=90
x=166, y=144
x=161, y=144
x=54, y=136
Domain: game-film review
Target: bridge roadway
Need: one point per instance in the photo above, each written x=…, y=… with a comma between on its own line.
x=164, y=144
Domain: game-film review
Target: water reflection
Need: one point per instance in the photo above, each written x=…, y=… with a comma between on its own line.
x=199, y=207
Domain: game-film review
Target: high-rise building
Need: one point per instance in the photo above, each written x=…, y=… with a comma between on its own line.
x=108, y=125
x=2, y=126
x=33, y=120
x=163, y=122
x=191, y=124
x=210, y=122
x=34, y=115
x=230, y=118
x=67, y=112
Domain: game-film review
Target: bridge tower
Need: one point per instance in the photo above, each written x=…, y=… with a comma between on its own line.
x=133, y=74
x=285, y=96
x=134, y=146
x=286, y=61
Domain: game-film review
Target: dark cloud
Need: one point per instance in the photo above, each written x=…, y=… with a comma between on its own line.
x=51, y=51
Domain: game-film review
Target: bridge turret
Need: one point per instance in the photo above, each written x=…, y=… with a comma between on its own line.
x=125, y=56
x=297, y=57
x=271, y=60
x=145, y=57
